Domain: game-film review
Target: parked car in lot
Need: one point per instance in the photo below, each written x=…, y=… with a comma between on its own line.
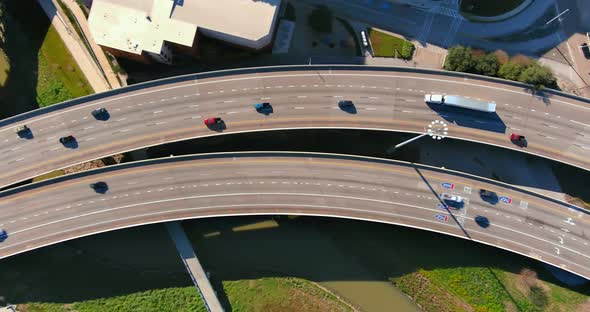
x=488, y=196
x=482, y=221
x=264, y=108
x=518, y=139
x=453, y=201
x=101, y=113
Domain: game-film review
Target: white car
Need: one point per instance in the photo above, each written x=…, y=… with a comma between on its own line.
x=454, y=201
x=433, y=98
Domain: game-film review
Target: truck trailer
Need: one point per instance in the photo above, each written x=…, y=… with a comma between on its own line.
x=460, y=101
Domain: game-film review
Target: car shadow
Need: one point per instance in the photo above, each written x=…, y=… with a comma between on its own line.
x=266, y=111
x=103, y=116
x=470, y=118
x=26, y=134
x=351, y=109
x=220, y=127
x=73, y=144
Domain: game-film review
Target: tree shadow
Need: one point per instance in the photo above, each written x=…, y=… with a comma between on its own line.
x=26, y=26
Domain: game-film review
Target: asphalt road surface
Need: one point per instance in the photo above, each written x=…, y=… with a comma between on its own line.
x=292, y=183
x=556, y=127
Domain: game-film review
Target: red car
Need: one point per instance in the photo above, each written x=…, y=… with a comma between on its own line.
x=212, y=121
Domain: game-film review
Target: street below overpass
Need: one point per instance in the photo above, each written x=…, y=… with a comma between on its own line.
x=233, y=184
x=556, y=127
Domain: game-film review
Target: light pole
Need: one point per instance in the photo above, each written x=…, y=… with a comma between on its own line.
x=437, y=130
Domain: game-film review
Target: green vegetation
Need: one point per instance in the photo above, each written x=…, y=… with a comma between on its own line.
x=485, y=289
x=489, y=7
x=290, y=12
x=498, y=64
x=320, y=19
x=49, y=175
x=386, y=45
x=258, y=295
x=60, y=78
x=36, y=68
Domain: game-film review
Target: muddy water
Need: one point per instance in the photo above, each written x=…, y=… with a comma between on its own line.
x=372, y=296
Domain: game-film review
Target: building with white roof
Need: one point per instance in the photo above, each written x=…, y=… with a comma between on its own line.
x=138, y=26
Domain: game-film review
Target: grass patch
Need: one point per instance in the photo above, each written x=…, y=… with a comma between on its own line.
x=49, y=175
x=386, y=45
x=265, y=294
x=489, y=8
x=60, y=78
x=38, y=69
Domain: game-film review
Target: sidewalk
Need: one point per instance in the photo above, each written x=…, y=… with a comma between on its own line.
x=97, y=50
x=75, y=46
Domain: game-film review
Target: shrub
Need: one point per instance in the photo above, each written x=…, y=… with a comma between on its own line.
x=539, y=297
x=460, y=59
x=522, y=60
x=502, y=57
x=320, y=19
x=510, y=71
x=537, y=75
x=487, y=65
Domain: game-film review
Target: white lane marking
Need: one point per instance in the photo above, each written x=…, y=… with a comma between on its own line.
x=405, y=111
x=229, y=113
x=157, y=112
x=160, y=123
x=89, y=139
x=121, y=119
x=302, y=96
x=20, y=159
x=195, y=117
x=125, y=130
x=196, y=105
x=265, y=98
x=230, y=101
x=371, y=108
x=373, y=98
x=16, y=148
x=298, y=107
x=88, y=128
x=580, y=123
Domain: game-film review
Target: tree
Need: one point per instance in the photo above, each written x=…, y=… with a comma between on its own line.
x=487, y=65
x=502, y=56
x=537, y=75
x=460, y=59
x=320, y=19
x=510, y=71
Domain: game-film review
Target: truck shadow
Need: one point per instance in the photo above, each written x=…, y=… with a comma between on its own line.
x=470, y=118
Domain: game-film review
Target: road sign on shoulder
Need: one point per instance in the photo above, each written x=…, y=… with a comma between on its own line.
x=448, y=185
x=505, y=199
x=441, y=217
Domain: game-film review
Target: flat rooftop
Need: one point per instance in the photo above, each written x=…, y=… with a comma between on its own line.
x=143, y=25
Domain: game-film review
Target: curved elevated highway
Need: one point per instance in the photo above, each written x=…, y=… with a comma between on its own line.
x=292, y=183
x=302, y=97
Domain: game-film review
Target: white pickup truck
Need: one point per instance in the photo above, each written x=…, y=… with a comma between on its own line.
x=459, y=101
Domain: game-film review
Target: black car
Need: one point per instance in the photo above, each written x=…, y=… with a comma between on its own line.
x=488, y=196
x=67, y=139
x=3, y=235
x=585, y=50
x=347, y=106
x=23, y=131
x=99, y=187
x=482, y=221
x=100, y=113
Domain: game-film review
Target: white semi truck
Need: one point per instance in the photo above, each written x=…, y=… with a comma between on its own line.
x=459, y=101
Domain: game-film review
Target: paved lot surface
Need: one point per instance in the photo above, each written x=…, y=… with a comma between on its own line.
x=304, y=183
x=556, y=127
